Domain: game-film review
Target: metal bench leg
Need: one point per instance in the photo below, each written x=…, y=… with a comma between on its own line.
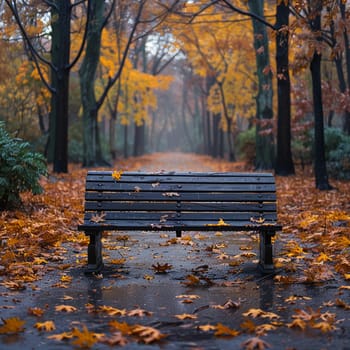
x=178, y=233
x=95, y=262
x=266, y=252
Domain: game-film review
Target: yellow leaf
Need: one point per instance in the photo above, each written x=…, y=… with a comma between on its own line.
x=260, y=313
x=111, y=311
x=61, y=336
x=47, y=326
x=66, y=279
x=222, y=330
x=207, y=327
x=188, y=296
x=117, y=174
x=65, y=308
x=186, y=317
x=347, y=276
x=323, y=257
x=12, y=325
x=148, y=277
x=85, y=338
x=323, y=326
x=139, y=312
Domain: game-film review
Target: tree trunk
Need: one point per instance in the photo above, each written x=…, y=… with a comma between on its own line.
x=284, y=161
x=264, y=113
x=321, y=176
x=58, y=138
x=87, y=72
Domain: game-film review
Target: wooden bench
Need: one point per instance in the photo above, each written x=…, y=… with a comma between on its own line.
x=180, y=202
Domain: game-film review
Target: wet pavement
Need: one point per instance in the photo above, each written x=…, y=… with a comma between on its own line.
x=134, y=284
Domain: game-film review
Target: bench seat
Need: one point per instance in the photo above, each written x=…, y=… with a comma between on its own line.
x=171, y=201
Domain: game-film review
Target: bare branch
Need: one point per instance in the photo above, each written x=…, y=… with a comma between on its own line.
x=247, y=13
x=84, y=37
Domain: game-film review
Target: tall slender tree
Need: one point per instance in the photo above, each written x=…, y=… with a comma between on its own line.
x=284, y=161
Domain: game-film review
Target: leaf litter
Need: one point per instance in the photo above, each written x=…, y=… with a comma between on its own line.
x=315, y=248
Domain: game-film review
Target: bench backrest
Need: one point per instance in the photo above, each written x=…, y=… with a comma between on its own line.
x=160, y=201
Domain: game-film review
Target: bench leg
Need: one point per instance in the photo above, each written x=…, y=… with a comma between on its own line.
x=178, y=233
x=95, y=262
x=266, y=252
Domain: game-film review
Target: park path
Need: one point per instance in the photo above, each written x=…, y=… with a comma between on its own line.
x=177, y=161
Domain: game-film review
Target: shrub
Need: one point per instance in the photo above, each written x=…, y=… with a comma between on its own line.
x=20, y=169
x=337, y=153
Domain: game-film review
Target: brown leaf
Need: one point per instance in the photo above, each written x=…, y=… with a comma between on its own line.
x=222, y=330
x=162, y=268
x=229, y=304
x=255, y=343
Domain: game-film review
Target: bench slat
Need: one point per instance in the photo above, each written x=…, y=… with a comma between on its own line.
x=171, y=216
x=174, y=206
x=181, y=178
x=178, y=188
x=185, y=196
x=183, y=226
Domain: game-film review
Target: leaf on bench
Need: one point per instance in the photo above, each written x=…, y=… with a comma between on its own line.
x=170, y=194
x=257, y=220
x=117, y=174
x=137, y=189
x=220, y=222
x=98, y=218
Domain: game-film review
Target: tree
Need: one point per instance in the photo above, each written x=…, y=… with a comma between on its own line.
x=309, y=16
x=264, y=114
x=60, y=14
x=284, y=161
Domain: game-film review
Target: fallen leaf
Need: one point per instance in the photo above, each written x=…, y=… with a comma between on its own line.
x=115, y=339
x=112, y=311
x=171, y=194
x=47, y=326
x=207, y=327
x=162, y=268
x=222, y=330
x=146, y=334
x=260, y=313
x=255, y=343
x=297, y=323
x=117, y=174
x=35, y=311
x=229, y=304
x=186, y=317
x=139, y=312
x=65, y=308
x=188, y=296
x=97, y=218
x=85, y=338
x=12, y=325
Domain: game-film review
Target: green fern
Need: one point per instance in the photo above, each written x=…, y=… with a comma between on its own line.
x=20, y=169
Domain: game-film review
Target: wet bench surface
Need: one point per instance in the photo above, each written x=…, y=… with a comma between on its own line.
x=172, y=201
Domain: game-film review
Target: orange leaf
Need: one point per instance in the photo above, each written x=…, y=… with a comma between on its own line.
x=222, y=330
x=47, y=326
x=12, y=325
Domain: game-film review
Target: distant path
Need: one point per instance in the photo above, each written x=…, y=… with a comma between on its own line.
x=183, y=162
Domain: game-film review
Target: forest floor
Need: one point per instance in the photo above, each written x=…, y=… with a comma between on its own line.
x=212, y=297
